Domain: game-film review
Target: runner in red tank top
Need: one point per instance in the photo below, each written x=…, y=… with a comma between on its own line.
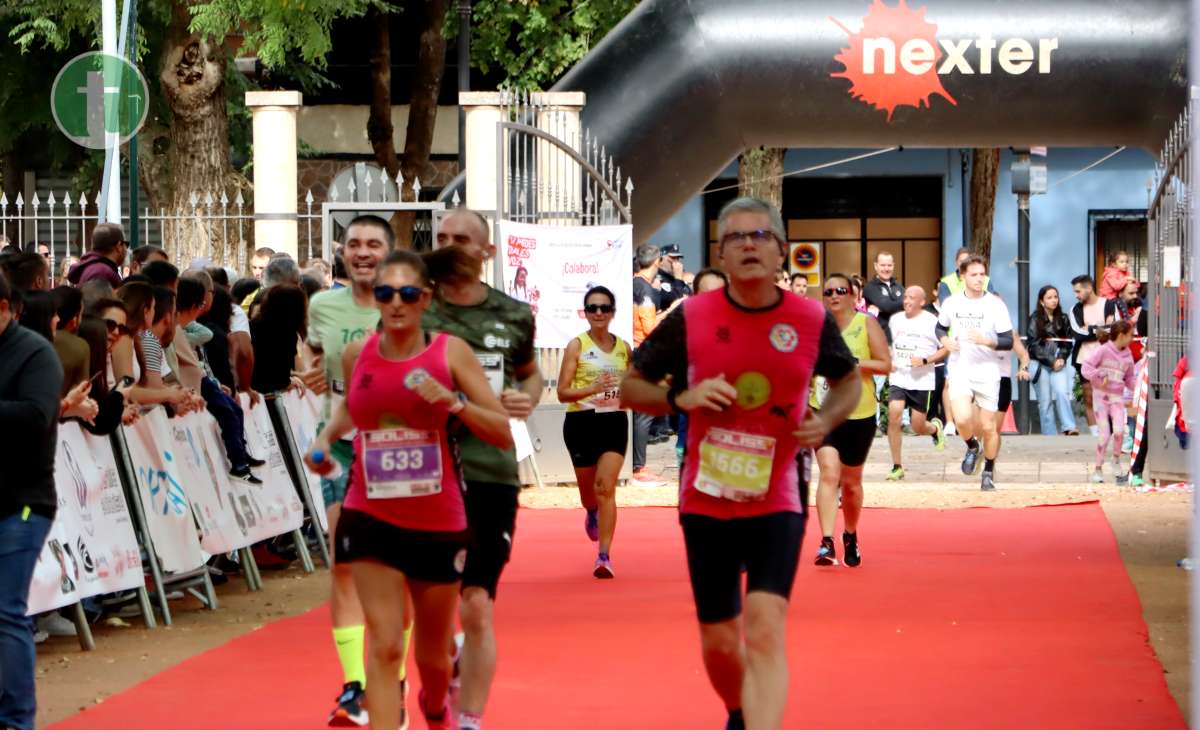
x=403, y=521
x=740, y=360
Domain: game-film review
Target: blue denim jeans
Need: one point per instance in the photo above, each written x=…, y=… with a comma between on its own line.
x=21, y=540
x=1054, y=398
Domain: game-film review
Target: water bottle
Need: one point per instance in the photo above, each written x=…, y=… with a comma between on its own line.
x=319, y=457
x=1187, y=564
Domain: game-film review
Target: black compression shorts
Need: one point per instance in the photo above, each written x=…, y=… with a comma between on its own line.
x=421, y=555
x=588, y=434
x=492, y=524
x=852, y=440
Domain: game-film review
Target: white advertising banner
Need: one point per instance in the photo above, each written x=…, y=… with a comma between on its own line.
x=160, y=487
x=552, y=267
x=204, y=475
x=281, y=510
x=91, y=548
x=304, y=416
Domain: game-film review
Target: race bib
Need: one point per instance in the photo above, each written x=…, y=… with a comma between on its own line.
x=493, y=368
x=402, y=462
x=608, y=400
x=735, y=465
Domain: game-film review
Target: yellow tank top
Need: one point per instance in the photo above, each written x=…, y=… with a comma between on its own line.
x=594, y=362
x=855, y=337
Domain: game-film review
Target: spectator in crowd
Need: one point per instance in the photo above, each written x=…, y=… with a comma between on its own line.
x=799, y=285
x=856, y=286
x=341, y=279
x=241, y=349
x=1130, y=308
x=670, y=277
x=102, y=325
x=26, y=272
x=646, y=316
x=131, y=364
x=320, y=270
x=143, y=255
x=160, y=273
x=37, y=313
x=94, y=291
x=72, y=350
x=311, y=284
x=259, y=261
x=884, y=295
x=782, y=281
x=217, y=350
x=64, y=266
x=1050, y=346
x=276, y=332
x=1089, y=313
x=108, y=252
x=1115, y=276
x=218, y=276
x=245, y=288
x=953, y=283
x=281, y=269
x=30, y=384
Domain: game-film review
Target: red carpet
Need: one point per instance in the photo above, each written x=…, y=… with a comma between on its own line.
x=959, y=619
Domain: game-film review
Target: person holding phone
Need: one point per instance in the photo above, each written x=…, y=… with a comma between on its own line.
x=102, y=326
x=596, y=430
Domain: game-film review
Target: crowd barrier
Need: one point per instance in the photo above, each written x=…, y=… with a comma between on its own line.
x=152, y=503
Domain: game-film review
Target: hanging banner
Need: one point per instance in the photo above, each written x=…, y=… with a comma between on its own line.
x=276, y=497
x=304, y=416
x=201, y=463
x=550, y=268
x=161, y=491
x=91, y=548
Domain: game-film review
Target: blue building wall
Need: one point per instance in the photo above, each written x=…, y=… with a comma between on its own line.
x=1060, y=240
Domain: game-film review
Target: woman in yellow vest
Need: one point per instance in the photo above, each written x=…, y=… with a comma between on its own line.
x=845, y=450
x=596, y=430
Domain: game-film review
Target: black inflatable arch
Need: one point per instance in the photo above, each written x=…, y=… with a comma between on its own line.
x=680, y=87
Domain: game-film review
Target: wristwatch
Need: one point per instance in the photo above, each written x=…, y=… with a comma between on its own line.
x=924, y=361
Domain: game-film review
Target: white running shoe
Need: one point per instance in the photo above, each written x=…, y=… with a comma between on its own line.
x=1098, y=476
x=55, y=624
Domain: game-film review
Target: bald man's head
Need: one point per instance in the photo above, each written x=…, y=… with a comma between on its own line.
x=914, y=300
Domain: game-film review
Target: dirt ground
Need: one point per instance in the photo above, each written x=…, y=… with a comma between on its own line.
x=1151, y=529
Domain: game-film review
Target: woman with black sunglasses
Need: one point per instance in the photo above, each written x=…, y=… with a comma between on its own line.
x=596, y=430
x=103, y=324
x=403, y=525
x=845, y=450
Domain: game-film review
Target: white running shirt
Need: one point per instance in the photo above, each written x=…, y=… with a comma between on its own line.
x=987, y=315
x=913, y=337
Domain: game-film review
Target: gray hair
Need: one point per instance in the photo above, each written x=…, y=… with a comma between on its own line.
x=647, y=255
x=281, y=269
x=200, y=276
x=749, y=204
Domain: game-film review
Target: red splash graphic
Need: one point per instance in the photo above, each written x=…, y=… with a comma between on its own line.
x=519, y=249
x=886, y=91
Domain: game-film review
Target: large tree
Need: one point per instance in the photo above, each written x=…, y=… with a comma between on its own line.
x=185, y=48
x=985, y=177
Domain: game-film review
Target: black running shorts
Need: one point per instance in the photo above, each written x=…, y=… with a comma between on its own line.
x=432, y=557
x=1005, y=399
x=852, y=440
x=767, y=546
x=492, y=523
x=917, y=400
x=588, y=434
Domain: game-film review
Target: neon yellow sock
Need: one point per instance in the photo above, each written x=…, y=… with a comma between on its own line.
x=349, y=642
x=404, y=652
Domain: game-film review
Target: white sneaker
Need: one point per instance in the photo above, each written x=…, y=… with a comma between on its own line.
x=39, y=636
x=950, y=430
x=1094, y=429
x=645, y=478
x=1098, y=477
x=55, y=625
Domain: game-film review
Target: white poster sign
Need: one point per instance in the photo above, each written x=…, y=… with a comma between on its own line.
x=552, y=267
x=281, y=508
x=304, y=416
x=161, y=490
x=201, y=463
x=91, y=548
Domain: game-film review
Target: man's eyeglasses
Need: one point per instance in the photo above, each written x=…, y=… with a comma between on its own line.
x=599, y=308
x=408, y=294
x=115, y=326
x=738, y=239
x=840, y=291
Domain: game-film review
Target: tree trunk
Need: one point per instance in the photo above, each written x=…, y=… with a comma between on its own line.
x=192, y=156
x=985, y=176
x=760, y=174
x=422, y=110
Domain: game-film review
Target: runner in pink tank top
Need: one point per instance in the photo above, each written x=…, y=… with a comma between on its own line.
x=738, y=362
x=403, y=527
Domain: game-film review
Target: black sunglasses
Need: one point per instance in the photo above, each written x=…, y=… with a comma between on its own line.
x=601, y=308
x=840, y=291
x=115, y=326
x=408, y=294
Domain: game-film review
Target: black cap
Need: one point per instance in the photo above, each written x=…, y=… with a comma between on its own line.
x=672, y=251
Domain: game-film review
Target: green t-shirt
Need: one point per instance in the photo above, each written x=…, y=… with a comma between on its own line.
x=334, y=321
x=500, y=331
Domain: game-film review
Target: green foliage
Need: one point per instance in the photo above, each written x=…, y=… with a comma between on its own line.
x=534, y=42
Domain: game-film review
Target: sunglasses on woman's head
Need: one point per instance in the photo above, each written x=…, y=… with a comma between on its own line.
x=408, y=294
x=601, y=308
x=841, y=291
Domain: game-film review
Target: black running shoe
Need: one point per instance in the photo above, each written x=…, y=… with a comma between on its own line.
x=853, y=557
x=827, y=553
x=255, y=463
x=350, y=711
x=245, y=475
x=970, y=461
x=987, y=482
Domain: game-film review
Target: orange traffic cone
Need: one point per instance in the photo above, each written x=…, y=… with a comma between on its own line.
x=1010, y=423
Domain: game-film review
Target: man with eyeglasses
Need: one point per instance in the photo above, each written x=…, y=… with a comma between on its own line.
x=500, y=330
x=108, y=253
x=741, y=359
x=337, y=318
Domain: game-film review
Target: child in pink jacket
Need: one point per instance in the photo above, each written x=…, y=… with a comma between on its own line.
x=1110, y=370
x=1116, y=276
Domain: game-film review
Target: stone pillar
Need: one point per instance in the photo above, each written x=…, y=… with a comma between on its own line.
x=274, y=118
x=483, y=114
x=561, y=194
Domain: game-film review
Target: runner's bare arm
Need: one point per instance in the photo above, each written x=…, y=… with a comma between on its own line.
x=482, y=412
x=881, y=355
x=843, y=396
x=643, y=395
